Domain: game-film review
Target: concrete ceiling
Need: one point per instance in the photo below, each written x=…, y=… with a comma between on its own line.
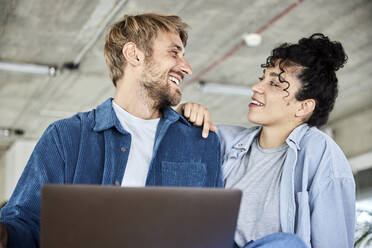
x=60, y=31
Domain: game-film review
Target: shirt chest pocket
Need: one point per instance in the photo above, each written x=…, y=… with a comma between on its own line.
x=183, y=174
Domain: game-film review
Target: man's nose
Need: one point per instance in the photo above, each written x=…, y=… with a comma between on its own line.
x=185, y=67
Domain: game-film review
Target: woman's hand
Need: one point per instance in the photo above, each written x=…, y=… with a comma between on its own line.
x=198, y=115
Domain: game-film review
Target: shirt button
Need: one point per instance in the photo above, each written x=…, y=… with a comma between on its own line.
x=123, y=149
x=240, y=145
x=244, y=150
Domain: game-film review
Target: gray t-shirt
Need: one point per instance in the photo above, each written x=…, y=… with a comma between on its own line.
x=259, y=178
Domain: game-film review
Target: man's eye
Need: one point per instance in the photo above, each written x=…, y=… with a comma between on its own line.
x=260, y=78
x=175, y=52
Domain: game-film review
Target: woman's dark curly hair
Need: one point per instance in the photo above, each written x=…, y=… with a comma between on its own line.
x=319, y=59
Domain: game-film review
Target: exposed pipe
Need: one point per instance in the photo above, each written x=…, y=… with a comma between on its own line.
x=52, y=70
x=29, y=68
x=7, y=132
x=240, y=44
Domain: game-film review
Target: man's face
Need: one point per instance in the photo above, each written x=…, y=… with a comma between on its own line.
x=165, y=69
x=273, y=102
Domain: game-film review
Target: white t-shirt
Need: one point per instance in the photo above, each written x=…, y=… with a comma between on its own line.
x=141, y=147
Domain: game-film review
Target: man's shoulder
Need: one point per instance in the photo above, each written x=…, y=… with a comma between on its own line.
x=80, y=118
x=192, y=133
x=73, y=125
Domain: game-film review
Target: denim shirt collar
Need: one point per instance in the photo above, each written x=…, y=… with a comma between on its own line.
x=106, y=118
x=245, y=139
x=296, y=135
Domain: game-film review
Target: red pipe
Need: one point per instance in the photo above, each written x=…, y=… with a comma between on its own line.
x=240, y=44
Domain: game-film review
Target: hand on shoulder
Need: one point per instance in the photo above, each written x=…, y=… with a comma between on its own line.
x=198, y=115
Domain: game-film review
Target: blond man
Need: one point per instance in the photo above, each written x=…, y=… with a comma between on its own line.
x=134, y=139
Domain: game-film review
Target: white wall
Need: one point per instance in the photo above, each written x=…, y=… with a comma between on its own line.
x=12, y=165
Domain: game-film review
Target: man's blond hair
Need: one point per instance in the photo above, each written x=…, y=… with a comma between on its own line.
x=142, y=30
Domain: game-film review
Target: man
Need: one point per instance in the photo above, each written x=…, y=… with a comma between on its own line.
x=135, y=139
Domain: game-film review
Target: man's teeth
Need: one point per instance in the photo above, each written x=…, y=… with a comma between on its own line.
x=175, y=80
x=257, y=103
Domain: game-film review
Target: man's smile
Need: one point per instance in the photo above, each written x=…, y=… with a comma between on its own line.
x=174, y=80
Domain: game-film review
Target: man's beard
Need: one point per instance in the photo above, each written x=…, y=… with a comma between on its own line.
x=157, y=87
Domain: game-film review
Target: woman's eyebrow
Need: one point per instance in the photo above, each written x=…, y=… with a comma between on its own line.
x=279, y=76
x=274, y=74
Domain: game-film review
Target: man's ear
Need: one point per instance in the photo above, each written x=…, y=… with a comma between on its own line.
x=132, y=54
x=306, y=108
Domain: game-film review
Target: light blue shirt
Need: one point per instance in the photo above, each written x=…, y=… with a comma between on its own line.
x=317, y=190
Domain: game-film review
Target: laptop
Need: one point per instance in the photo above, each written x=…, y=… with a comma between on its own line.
x=165, y=217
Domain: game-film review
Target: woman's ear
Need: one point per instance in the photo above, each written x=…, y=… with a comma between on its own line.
x=132, y=54
x=306, y=108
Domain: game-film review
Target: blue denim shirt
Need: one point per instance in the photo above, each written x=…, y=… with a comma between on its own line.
x=93, y=148
x=317, y=191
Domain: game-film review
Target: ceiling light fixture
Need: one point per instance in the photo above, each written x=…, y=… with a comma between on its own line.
x=252, y=39
x=4, y=132
x=7, y=132
x=29, y=68
x=225, y=89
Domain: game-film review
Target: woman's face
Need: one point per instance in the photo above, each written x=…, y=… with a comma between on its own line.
x=273, y=102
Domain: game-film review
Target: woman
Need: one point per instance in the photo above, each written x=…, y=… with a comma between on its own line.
x=294, y=178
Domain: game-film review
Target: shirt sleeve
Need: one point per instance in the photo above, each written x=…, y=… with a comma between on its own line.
x=21, y=215
x=333, y=214
x=227, y=134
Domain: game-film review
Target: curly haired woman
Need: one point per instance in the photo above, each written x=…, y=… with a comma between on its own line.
x=294, y=178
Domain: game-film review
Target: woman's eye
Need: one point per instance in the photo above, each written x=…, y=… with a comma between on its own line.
x=260, y=78
x=274, y=84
